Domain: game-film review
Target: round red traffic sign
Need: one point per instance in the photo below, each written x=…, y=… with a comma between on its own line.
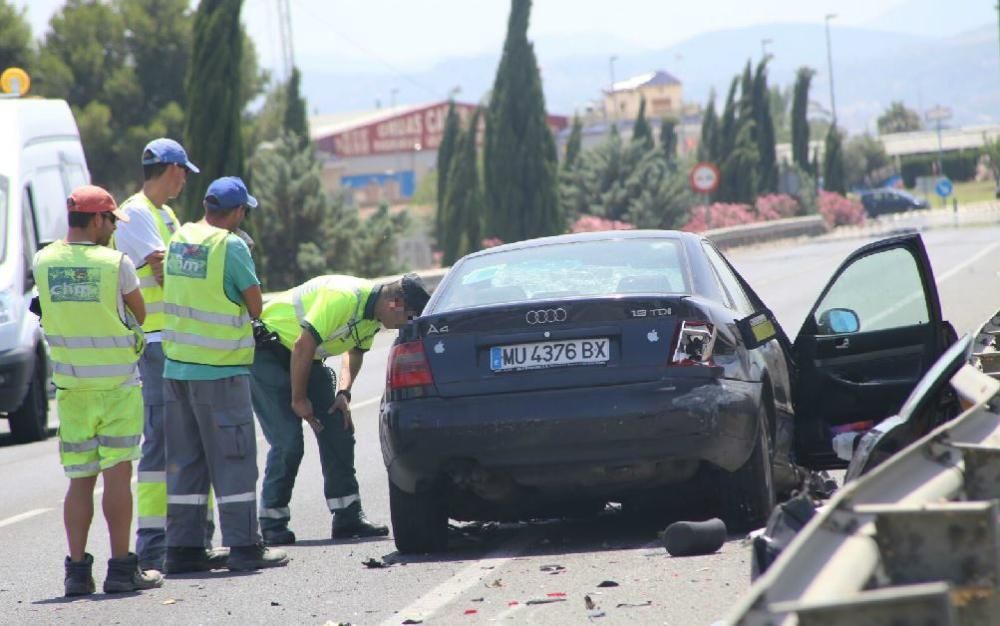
x=704, y=178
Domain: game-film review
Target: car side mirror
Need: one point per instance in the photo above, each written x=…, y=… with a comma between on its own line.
x=838, y=322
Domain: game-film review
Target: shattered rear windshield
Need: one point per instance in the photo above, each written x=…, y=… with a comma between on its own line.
x=568, y=270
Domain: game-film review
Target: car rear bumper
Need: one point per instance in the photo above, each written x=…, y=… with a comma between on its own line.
x=16, y=367
x=605, y=438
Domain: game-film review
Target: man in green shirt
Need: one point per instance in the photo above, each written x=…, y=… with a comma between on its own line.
x=326, y=316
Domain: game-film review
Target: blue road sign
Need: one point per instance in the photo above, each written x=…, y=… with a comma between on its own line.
x=943, y=187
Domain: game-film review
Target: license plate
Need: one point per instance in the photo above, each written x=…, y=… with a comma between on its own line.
x=525, y=356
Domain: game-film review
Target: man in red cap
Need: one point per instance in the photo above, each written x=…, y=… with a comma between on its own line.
x=91, y=310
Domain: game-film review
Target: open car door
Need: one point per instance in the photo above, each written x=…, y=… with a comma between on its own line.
x=873, y=333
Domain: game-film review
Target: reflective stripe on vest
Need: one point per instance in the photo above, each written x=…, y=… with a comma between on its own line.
x=202, y=325
x=91, y=346
x=152, y=292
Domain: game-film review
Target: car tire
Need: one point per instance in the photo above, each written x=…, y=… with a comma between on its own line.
x=748, y=495
x=30, y=422
x=419, y=521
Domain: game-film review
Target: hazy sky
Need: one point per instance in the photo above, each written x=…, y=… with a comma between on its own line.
x=412, y=34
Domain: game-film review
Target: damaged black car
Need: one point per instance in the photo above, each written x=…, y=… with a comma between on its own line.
x=550, y=376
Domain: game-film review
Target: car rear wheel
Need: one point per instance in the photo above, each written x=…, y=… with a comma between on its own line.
x=747, y=495
x=419, y=521
x=30, y=422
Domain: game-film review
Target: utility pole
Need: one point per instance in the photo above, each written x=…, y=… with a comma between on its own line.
x=829, y=64
x=285, y=34
x=763, y=47
x=614, y=94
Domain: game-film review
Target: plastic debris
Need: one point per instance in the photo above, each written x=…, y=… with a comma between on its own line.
x=412, y=621
x=471, y=611
x=556, y=594
x=545, y=600
x=607, y=583
x=496, y=583
x=373, y=563
x=693, y=538
x=633, y=605
x=552, y=568
x=587, y=602
x=170, y=601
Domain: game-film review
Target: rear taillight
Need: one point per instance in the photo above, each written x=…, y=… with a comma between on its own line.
x=408, y=366
x=693, y=344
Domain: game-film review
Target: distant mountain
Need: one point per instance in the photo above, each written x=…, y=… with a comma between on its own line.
x=871, y=68
x=936, y=18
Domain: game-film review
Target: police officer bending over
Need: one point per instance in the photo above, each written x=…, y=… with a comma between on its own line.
x=326, y=316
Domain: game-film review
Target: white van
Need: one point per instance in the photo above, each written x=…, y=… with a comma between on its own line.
x=41, y=162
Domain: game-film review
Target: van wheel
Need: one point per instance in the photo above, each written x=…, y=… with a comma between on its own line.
x=30, y=422
x=419, y=521
x=748, y=495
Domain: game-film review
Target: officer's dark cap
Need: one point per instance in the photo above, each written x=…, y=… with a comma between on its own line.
x=415, y=294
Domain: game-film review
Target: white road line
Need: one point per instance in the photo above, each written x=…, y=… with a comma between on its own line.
x=22, y=516
x=961, y=266
x=437, y=598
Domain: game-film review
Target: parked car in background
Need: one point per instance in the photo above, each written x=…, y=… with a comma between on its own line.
x=41, y=162
x=553, y=375
x=881, y=201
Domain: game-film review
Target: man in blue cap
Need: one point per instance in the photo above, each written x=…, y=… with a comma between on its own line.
x=211, y=294
x=144, y=239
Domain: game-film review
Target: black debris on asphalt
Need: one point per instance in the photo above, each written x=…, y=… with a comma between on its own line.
x=607, y=583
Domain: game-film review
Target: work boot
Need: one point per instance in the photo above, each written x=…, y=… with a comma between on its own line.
x=351, y=523
x=124, y=575
x=181, y=560
x=79, y=579
x=281, y=536
x=244, y=558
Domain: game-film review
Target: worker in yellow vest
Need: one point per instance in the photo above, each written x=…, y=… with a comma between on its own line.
x=144, y=239
x=91, y=307
x=326, y=316
x=210, y=294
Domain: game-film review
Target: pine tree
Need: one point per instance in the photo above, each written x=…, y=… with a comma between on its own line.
x=295, y=120
x=833, y=162
x=728, y=125
x=446, y=151
x=641, y=131
x=668, y=139
x=708, y=147
x=800, y=119
x=463, y=198
x=573, y=143
x=767, y=173
x=212, y=132
x=520, y=161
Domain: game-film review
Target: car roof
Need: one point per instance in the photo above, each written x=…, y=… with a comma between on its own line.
x=604, y=235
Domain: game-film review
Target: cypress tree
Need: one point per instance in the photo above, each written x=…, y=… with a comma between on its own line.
x=520, y=158
x=728, y=124
x=708, y=147
x=641, y=132
x=446, y=150
x=212, y=130
x=800, y=119
x=295, y=120
x=668, y=139
x=739, y=168
x=573, y=143
x=767, y=172
x=833, y=162
x=745, y=110
x=463, y=198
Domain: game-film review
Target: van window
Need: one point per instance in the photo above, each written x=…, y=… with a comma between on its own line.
x=73, y=176
x=49, y=198
x=29, y=230
x=4, y=212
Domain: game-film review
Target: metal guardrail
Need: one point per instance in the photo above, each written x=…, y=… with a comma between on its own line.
x=915, y=542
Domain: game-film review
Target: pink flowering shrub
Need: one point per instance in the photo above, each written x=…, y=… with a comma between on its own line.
x=719, y=215
x=592, y=223
x=776, y=206
x=838, y=210
x=490, y=242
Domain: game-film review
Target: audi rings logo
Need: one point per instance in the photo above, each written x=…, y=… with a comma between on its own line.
x=545, y=316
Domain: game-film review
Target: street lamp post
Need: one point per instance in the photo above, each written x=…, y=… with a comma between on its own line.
x=829, y=64
x=614, y=95
x=763, y=47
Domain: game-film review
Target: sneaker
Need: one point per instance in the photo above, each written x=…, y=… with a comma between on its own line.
x=351, y=523
x=277, y=536
x=244, y=558
x=79, y=579
x=124, y=575
x=181, y=560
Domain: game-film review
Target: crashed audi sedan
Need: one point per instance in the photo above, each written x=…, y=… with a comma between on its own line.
x=553, y=375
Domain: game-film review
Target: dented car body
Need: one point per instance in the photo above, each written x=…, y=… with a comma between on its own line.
x=565, y=372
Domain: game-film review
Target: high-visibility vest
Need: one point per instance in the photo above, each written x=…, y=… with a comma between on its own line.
x=91, y=346
x=152, y=292
x=347, y=294
x=202, y=324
